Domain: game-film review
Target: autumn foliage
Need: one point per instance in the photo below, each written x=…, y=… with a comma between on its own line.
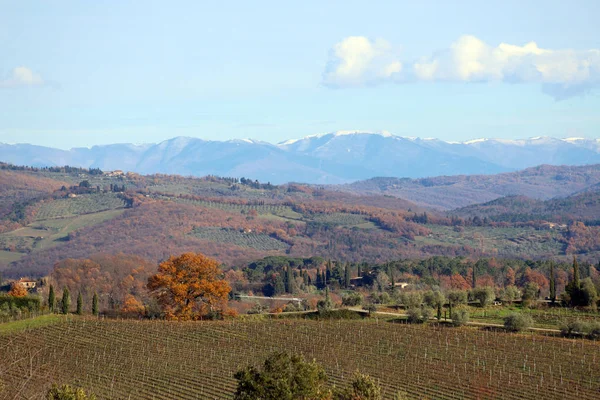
x=17, y=290
x=189, y=287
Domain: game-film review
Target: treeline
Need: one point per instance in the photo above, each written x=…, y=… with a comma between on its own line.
x=64, y=169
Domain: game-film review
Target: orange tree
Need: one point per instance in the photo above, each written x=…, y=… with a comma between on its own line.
x=189, y=287
x=17, y=290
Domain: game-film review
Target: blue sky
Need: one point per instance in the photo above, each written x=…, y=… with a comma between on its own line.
x=76, y=73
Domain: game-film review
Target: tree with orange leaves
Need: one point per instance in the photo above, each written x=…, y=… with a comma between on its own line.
x=189, y=287
x=17, y=290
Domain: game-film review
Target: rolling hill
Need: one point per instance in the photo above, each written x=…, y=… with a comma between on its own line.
x=450, y=192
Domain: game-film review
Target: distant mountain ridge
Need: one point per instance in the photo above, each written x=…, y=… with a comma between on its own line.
x=543, y=182
x=331, y=158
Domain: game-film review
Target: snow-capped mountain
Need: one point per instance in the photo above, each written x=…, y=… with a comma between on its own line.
x=336, y=157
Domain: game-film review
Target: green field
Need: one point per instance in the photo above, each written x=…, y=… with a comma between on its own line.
x=6, y=257
x=167, y=360
x=83, y=204
x=49, y=233
x=508, y=242
x=252, y=240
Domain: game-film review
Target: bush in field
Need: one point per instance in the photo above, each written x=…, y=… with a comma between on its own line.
x=485, y=295
x=371, y=308
x=458, y=297
x=411, y=299
x=594, y=330
x=257, y=308
x=352, y=299
x=460, y=317
x=434, y=299
x=419, y=315
x=380, y=298
x=285, y=377
x=530, y=293
x=362, y=387
x=574, y=328
x=511, y=294
x=67, y=392
x=282, y=377
x=518, y=322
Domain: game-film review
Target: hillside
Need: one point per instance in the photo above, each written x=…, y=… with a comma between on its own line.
x=583, y=206
x=331, y=158
x=91, y=213
x=450, y=192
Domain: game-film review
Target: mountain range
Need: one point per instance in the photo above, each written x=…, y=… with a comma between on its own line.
x=332, y=158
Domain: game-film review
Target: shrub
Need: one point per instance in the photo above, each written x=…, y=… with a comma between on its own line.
x=281, y=377
x=380, y=298
x=31, y=303
x=411, y=299
x=518, y=322
x=457, y=297
x=460, y=317
x=371, y=308
x=484, y=295
x=434, y=299
x=67, y=392
x=362, y=387
x=574, y=328
x=530, y=292
x=594, y=330
x=419, y=315
x=511, y=293
x=352, y=299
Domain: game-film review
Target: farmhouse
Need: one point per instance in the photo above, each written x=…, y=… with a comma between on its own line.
x=27, y=283
x=115, y=173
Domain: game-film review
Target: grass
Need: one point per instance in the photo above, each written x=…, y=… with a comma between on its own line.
x=167, y=360
x=550, y=318
x=46, y=234
x=31, y=323
x=6, y=257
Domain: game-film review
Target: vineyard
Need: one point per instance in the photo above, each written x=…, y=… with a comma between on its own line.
x=84, y=204
x=166, y=360
x=505, y=242
x=252, y=240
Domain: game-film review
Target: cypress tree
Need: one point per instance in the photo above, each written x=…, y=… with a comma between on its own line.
x=576, y=280
x=552, y=283
x=391, y=274
x=359, y=271
x=79, y=304
x=328, y=272
x=51, y=299
x=289, y=280
x=1, y=278
x=474, y=278
x=318, y=279
x=95, y=304
x=66, y=301
x=279, y=285
x=347, y=276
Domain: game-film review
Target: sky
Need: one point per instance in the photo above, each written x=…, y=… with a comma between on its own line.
x=83, y=73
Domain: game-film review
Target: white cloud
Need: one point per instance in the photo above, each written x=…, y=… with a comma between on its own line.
x=21, y=76
x=357, y=60
x=563, y=73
